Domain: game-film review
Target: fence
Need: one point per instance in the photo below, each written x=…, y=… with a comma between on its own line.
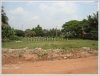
x=43, y=39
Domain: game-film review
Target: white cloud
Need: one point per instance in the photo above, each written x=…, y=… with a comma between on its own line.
x=67, y=7
x=18, y=10
x=47, y=14
x=30, y=2
x=43, y=6
x=59, y=11
x=60, y=7
x=35, y=17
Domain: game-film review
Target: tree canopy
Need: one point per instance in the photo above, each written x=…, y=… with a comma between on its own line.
x=7, y=31
x=85, y=29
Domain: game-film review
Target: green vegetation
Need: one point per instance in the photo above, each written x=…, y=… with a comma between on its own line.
x=50, y=44
x=85, y=29
x=70, y=36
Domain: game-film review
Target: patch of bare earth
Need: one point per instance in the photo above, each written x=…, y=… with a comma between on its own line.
x=39, y=61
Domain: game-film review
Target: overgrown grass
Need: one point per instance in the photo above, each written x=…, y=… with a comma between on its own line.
x=51, y=44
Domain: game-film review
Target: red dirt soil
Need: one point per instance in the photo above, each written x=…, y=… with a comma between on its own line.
x=88, y=65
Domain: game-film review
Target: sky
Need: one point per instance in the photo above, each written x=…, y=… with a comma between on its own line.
x=48, y=14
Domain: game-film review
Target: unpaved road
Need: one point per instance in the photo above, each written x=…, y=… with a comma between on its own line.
x=87, y=65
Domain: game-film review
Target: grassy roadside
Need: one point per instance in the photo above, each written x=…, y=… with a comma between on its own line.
x=51, y=44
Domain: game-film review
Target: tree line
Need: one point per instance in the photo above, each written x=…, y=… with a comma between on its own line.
x=84, y=29
x=38, y=32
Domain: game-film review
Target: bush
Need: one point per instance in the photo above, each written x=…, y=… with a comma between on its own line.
x=14, y=37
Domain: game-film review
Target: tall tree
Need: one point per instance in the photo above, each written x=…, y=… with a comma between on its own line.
x=29, y=33
x=4, y=17
x=71, y=29
x=19, y=33
x=87, y=28
x=7, y=31
x=38, y=30
x=93, y=25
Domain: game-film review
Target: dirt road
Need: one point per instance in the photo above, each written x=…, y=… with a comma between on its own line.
x=87, y=65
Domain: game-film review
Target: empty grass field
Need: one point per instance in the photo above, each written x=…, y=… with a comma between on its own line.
x=50, y=44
